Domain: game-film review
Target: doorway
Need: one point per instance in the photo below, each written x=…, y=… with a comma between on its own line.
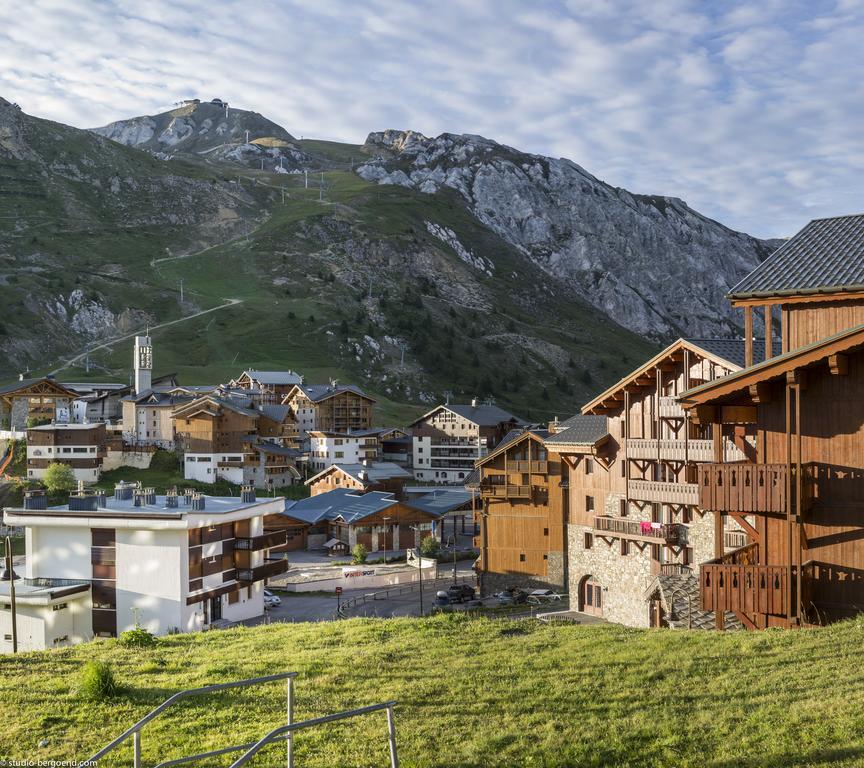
x=591, y=596
x=215, y=609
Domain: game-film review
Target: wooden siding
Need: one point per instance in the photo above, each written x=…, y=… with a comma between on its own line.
x=814, y=321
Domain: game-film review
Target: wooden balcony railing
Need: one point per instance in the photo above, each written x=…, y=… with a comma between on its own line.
x=679, y=450
x=663, y=492
x=506, y=491
x=735, y=582
x=636, y=529
x=675, y=569
x=264, y=541
x=744, y=487
x=735, y=539
x=261, y=572
x=534, y=467
x=670, y=408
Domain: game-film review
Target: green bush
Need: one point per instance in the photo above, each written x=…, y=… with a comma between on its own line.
x=138, y=638
x=430, y=547
x=97, y=681
x=360, y=553
x=59, y=478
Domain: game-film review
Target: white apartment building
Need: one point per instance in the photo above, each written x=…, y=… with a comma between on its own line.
x=80, y=446
x=329, y=448
x=166, y=563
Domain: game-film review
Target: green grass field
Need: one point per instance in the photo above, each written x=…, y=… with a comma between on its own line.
x=470, y=692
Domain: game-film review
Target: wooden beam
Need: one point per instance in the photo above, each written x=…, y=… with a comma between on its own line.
x=760, y=393
x=704, y=414
x=738, y=414
x=748, y=336
x=798, y=378
x=745, y=620
x=769, y=333
x=748, y=529
x=839, y=364
x=813, y=297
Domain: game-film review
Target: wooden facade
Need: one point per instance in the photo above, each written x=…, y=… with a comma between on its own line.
x=207, y=425
x=523, y=515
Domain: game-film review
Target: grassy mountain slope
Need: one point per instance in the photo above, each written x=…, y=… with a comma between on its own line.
x=469, y=693
x=335, y=280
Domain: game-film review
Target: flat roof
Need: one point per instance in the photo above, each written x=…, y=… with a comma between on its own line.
x=43, y=590
x=64, y=425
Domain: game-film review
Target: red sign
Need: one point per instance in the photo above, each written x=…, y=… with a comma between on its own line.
x=338, y=590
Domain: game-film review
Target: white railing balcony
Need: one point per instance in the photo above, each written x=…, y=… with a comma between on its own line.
x=664, y=492
x=701, y=451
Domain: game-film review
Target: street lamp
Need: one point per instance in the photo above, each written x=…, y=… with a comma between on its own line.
x=420, y=562
x=9, y=575
x=385, y=519
x=453, y=542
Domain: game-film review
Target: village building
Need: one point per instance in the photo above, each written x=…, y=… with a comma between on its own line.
x=340, y=519
x=797, y=493
x=448, y=440
x=98, y=401
x=329, y=448
x=147, y=416
x=329, y=407
x=165, y=563
x=634, y=511
x=270, y=386
x=523, y=515
x=29, y=402
x=80, y=446
x=363, y=476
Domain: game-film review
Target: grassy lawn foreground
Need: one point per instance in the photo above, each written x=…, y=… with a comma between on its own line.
x=471, y=693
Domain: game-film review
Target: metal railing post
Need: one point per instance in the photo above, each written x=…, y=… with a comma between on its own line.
x=289, y=742
x=136, y=749
x=391, y=734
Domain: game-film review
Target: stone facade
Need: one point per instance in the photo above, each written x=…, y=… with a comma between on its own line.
x=624, y=578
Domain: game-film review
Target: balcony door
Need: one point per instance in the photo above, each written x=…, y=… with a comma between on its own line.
x=591, y=596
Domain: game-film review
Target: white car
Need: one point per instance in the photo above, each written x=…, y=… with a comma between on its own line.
x=270, y=599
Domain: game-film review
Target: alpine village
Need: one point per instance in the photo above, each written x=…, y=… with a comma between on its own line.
x=420, y=452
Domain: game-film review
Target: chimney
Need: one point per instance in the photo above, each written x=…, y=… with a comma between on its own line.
x=149, y=495
x=362, y=475
x=474, y=402
x=81, y=503
x=247, y=494
x=20, y=377
x=101, y=499
x=553, y=427
x=138, y=498
x=171, y=498
x=198, y=501
x=187, y=496
x=35, y=500
x=123, y=491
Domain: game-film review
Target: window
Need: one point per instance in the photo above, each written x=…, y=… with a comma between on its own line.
x=522, y=557
x=58, y=607
x=61, y=639
x=589, y=466
x=622, y=507
x=687, y=555
x=545, y=531
x=655, y=552
x=589, y=540
x=623, y=469
x=589, y=503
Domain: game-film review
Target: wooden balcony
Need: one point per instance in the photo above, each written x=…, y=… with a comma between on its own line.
x=735, y=539
x=261, y=572
x=753, y=488
x=264, y=541
x=670, y=408
x=621, y=527
x=679, y=450
x=532, y=467
x=664, y=493
x=506, y=491
x=675, y=569
x=735, y=582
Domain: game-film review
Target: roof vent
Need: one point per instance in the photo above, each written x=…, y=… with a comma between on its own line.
x=101, y=499
x=80, y=503
x=171, y=498
x=35, y=500
x=138, y=497
x=149, y=495
x=474, y=402
x=247, y=494
x=187, y=496
x=123, y=491
x=198, y=501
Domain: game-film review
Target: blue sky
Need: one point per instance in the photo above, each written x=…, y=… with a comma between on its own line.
x=751, y=112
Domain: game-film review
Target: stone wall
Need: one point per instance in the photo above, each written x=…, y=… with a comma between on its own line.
x=700, y=536
x=490, y=583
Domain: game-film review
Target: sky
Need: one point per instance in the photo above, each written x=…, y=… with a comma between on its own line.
x=751, y=112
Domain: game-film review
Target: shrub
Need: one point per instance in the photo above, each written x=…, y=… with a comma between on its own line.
x=430, y=547
x=138, y=638
x=97, y=681
x=360, y=553
x=59, y=478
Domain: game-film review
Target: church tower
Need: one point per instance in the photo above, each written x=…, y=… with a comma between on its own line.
x=143, y=363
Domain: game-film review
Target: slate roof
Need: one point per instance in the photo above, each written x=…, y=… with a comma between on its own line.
x=441, y=501
x=275, y=413
x=318, y=392
x=22, y=383
x=375, y=472
x=163, y=397
x=276, y=450
x=825, y=257
x=680, y=598
x=733, y=349
x=483, y=415
x=274, y=377
x=580, y=430
x=349, y=505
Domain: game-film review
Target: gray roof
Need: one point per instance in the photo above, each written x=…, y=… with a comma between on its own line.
x=351, y=506
x=21, y=383
x=483, y=415
x=273, y=449
x=826, y=256
x=161, y=395
x=375, y=471
x=275, y=413
x=318, y=392
x=580, y=430
x=441, y=501
x=274, y=377
x=733, y=349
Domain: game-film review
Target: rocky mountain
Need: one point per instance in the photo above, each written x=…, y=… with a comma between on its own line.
x=213, y=130
x=652, y=264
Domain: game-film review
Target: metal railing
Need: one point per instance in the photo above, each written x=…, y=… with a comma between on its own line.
x=134, y=732
x=384, y=594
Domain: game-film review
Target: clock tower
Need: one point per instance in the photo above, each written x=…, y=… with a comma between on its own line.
x=143, y=363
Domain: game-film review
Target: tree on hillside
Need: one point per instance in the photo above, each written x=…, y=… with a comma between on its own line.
x=59, y=478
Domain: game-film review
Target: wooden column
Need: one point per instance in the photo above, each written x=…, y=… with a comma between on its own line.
x=788, y=541
x=784, y=330
x=748, y=336
x=769, y=333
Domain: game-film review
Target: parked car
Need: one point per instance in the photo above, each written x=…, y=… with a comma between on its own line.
x=511, y=597
x=459, y=593
x=270, y=599
x=542, y=596
x=442, y=598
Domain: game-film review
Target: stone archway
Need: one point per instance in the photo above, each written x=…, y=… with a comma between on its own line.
x=590, y=596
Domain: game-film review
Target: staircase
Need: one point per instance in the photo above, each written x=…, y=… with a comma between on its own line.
x=679, y=594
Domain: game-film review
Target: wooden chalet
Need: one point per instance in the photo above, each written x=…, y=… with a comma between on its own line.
x=798, y=493
x=329, y=407
x=366, y=476
x=29, y=402
x=523, y=514
x=270, y=386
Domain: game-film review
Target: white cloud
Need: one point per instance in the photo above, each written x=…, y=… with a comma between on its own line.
x=751, y=113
